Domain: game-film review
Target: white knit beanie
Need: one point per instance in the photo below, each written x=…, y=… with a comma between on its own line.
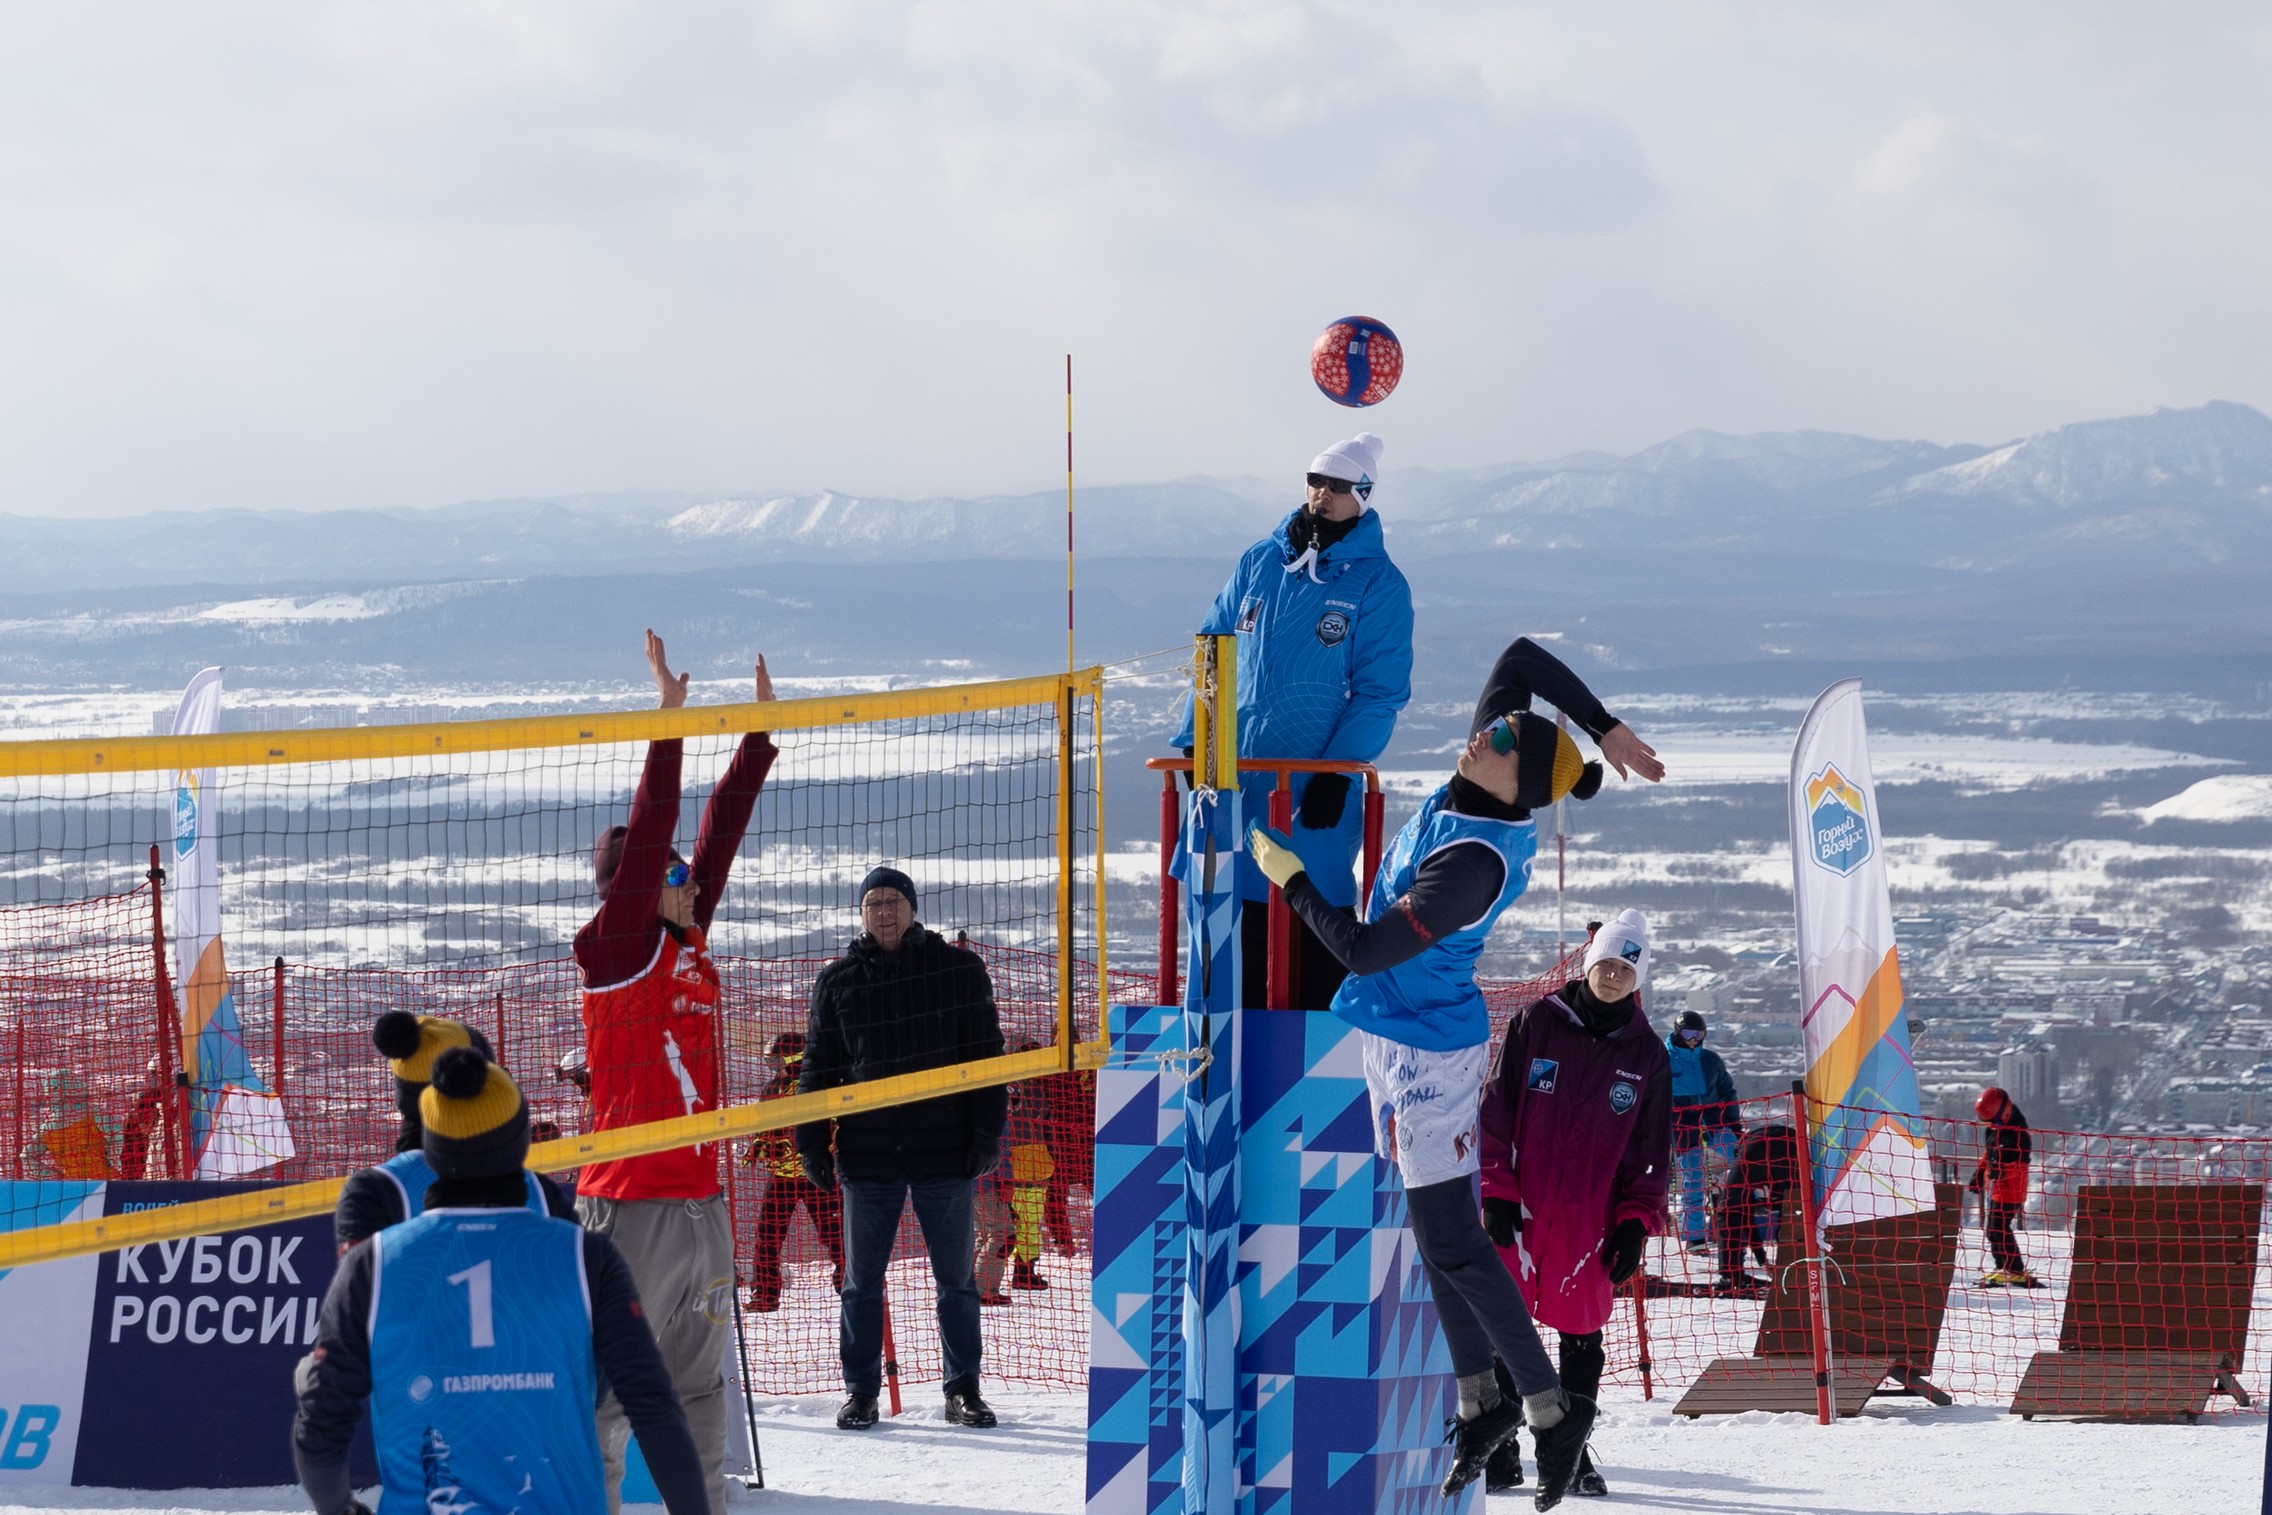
x=1357, y=460
x=1626, y=937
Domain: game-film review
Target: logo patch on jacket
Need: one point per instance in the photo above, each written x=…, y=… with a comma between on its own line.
x=1621, y=1097
x=1250, y=614
x=1332, y=627
x=1542, y=1071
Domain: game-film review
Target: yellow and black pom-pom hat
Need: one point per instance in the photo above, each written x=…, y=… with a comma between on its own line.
x=1548, y=764
x=475, y=1123
x=410, y=1043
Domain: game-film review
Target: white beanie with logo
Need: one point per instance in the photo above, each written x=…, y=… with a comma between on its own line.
x=1357, y=460
x=1625, y=937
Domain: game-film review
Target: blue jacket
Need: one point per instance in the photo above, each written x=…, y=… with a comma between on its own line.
x=1325, y=665
x=1431, y=1001
x=1703, y=1093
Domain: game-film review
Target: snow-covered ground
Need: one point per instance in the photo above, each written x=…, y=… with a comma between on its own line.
x=1891, y=1459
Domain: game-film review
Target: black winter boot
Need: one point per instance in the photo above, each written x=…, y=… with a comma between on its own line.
x=1504, y=1473
x=1560, y=1447
x=1473, y=1442
x=858, y=1414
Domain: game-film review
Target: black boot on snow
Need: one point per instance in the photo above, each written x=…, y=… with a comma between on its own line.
x=1560, y=1447
x=1589, y=1484
x=1473, y=1442
x=1504, y=1473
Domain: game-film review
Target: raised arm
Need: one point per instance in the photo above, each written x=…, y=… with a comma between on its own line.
x=726, y=818
x=618, y=942
x=1526, y=669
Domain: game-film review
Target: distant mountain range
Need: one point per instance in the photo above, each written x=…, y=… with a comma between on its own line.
x=2143, y=537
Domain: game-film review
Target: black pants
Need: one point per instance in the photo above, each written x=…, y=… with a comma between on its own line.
x=2003, y=1245
x=1317, y=972
x=1582, y=1359
x=1477, y=1301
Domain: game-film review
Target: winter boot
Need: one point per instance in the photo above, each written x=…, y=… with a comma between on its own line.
x=1589, y=1484
x=1560, y=1447
x=1026, y=1276
x=1473, y=1442
x=858, y=1414
x=1504, y=1472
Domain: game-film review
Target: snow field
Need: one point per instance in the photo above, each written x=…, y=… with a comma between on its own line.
x=1894, y=1459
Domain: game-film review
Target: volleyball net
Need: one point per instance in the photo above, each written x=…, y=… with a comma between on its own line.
x=445, y=869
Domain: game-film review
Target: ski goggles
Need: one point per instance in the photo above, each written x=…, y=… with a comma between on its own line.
x=1690, y=1038
x=676, y=875
x=1329, y=484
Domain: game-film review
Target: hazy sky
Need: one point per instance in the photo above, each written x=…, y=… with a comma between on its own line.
x=315, y=255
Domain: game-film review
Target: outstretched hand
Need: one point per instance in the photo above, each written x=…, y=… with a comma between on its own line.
x=764, y=681
x=672, y=686
x=1623, y=750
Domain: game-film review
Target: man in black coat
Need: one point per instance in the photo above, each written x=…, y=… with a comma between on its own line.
x=900, y=1000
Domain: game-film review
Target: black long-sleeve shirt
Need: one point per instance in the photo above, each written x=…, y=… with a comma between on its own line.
x=334, y=1380
x=1454, y=886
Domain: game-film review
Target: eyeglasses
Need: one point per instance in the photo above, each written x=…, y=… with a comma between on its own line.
x=676, y=875
x=1330, y=484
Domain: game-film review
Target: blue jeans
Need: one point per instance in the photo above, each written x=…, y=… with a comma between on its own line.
x=871, y=1220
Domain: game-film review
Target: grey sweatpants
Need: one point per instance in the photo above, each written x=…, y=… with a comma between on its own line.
x=681, y=1253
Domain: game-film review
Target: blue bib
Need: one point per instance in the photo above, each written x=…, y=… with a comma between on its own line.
x=1430, y=1001
x=482, y=1377
x=412, y=1174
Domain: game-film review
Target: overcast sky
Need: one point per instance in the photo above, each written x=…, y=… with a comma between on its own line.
x=317, y=255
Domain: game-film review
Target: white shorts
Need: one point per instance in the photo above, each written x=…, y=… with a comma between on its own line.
x=1425, y=1108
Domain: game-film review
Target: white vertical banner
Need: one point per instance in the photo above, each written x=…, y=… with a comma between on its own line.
x=236, y=1125
x=1868, y=1153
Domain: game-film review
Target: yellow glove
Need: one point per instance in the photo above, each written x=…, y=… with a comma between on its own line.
x=1274, y=855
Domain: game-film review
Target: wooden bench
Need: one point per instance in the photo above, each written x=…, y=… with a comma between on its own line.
x=2156, y=1316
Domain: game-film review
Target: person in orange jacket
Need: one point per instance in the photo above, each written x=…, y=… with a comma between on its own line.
x=2001, y=1182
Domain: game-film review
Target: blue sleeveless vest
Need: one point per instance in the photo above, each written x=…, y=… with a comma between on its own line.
x=412, y=1174
x=482, y=1376
x=1430, y=1001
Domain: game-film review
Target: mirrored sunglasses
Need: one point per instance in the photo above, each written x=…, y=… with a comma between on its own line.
x=676, y=876
x=1329, y=484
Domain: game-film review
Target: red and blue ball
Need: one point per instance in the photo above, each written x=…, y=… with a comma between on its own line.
x=1356, y=361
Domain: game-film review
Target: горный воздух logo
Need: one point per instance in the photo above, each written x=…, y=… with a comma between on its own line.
x=1839, y=821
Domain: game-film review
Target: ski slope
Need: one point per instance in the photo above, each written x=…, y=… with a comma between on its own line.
x=1893, y=1460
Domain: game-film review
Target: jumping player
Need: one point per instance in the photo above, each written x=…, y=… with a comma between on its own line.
x=2001, y=1182
x=1577, y=1138
x=1446, y=878
x=1324, y=622
x=650, y=1030
x=395, y=1190
x=478, y=1333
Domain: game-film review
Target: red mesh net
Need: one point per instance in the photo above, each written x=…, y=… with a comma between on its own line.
x=2120, y=1254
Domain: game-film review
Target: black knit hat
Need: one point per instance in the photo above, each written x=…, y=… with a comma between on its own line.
x=881, y=877
x=476, y=1123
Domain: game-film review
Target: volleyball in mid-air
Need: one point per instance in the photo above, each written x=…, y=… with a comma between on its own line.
x=1356, y=361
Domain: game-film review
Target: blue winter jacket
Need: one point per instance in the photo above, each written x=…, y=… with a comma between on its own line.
x=1325, y=665
x=1431, y=1001
x=1703, y=1093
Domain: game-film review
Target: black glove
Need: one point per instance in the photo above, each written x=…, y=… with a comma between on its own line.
x=984, y=1156
x=820, y=1167
x=1502, y=1221
x=1972, y=1184
x=1621, y=1254
x=1322, y=801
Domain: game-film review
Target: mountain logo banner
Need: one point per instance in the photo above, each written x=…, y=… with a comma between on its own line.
x=1868, y=1156
x=1840, y=820
x=236, y=1125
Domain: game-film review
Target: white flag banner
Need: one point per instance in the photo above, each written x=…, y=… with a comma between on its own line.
x=1868, y=1152
x=236, y=1124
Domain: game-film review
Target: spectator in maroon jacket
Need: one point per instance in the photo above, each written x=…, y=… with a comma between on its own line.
x=1758, y=1185
x=1577, y=1140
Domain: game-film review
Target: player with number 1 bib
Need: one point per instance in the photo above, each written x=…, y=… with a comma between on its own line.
x=479, y=1334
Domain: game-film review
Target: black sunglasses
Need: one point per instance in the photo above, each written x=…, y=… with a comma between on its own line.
x=1329, y=484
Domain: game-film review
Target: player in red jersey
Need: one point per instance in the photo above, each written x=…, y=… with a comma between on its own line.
x=650, y=1030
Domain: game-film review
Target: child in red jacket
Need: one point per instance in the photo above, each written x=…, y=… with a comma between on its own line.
x=2001, y=1183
